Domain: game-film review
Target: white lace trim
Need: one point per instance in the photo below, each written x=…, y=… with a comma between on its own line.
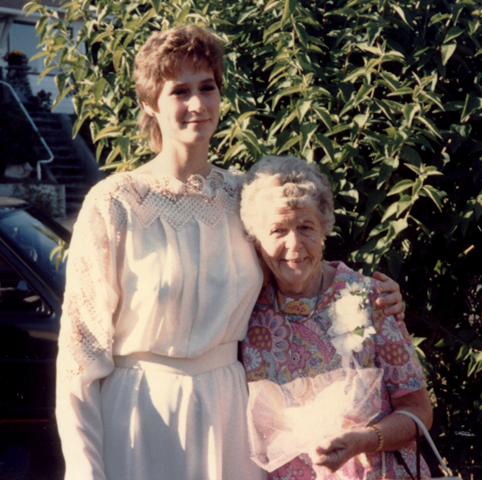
x=206, y=199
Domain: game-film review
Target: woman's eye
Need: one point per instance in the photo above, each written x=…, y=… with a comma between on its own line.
x=178, y=92
x=208, y=88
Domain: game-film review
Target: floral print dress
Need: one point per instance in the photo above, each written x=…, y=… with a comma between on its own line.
x=286, y=339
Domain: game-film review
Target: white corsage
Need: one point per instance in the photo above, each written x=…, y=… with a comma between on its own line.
x=350, y=319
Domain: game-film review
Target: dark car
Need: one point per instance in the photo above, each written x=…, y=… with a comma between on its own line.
x=32, y=281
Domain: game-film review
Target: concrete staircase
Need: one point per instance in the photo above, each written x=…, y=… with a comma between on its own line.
x=73, y=166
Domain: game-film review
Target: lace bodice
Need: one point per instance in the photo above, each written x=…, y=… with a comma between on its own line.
x=156, y=265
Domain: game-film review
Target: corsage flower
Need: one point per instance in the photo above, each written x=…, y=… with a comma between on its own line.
x=350, y=320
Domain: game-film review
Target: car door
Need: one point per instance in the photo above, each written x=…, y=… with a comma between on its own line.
x=31, y=288
x=28, y=344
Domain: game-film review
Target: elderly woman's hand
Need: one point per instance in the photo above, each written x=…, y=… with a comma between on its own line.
x=397, y=431
x=340, y=449
x=392, y=302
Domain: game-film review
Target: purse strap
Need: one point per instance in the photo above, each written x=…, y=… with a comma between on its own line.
x=422, y=427
x=420, y=424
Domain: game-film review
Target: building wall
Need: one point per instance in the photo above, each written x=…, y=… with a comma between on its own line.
x=17, y=32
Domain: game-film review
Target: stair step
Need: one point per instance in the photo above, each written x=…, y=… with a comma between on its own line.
x=70, y=167
x=78, y=200
x=52, y=132
x=67, y=159
x=73, y=209
x=76, y=190
x=60, y=151
x=66, y=178
x=46, y=124
x=66, y=167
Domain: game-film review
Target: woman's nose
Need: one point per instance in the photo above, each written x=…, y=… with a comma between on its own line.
x=196, y=103
x=293, y=241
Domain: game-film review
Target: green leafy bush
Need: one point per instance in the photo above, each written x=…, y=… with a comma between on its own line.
x=384, y=95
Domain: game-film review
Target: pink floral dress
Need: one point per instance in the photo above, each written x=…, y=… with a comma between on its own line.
x=285, y=340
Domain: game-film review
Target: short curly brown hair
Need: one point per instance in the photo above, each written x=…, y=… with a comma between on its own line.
x=160, y=59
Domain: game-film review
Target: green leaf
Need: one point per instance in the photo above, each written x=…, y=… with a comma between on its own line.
x=409, y=111
x=453, y=33
x=118, y=54
x=40, y=27
x=124, y=147
x=355, y=74
x=392, y=80
x=472, y=104
x=111, y=131
x=375, y=199
x=327, y=146
x=430, y=125
x=288, y=10
x=307, y=130
x=416, y=187
x=245, y=116
x=433, y=97
x=401, y=91
x=301, y=33
x=156, y=4
x=38, y=55
x=390, y=212
x=302, y=107
x=98, y=88
x=401, y=13
x=235, y=150
x=292, y=141
x=272, y=29
x=325, y=116
x=411, y=155
x=388, y=166
x=400, y=187
x=44, y=72
x=251, y=141
x=396, y=227
x=286, y=92
x=435, y=195
x=447, y=51
x=363, y=92
x=405, y=202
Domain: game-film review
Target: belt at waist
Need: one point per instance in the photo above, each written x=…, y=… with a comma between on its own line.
x=221, y=356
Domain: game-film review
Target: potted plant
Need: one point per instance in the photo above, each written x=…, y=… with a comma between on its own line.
x=16, y=58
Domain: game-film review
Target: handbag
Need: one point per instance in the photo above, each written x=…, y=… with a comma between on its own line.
x=419, y=425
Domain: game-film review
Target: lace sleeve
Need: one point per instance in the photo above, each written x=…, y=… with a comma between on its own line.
x=85, y=342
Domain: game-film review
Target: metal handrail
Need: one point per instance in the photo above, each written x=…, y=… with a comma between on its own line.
x=39, y=162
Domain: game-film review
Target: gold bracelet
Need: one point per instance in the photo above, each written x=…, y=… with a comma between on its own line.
x=381, y=438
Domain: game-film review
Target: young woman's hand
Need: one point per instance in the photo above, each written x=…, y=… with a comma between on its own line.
x=392, y=303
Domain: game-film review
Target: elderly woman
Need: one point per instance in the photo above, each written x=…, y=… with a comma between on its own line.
x=287, y=208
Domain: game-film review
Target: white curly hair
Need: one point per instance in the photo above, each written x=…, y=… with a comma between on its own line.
x=300, y=183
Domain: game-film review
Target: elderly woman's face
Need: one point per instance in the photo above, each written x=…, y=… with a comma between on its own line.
x=291, y=243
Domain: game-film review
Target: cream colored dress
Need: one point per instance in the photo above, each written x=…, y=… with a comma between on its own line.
x=160, y=284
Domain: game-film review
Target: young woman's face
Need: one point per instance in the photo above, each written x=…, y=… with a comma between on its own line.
x=188, y=107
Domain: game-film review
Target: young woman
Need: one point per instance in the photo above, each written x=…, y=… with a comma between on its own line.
x=160, y=285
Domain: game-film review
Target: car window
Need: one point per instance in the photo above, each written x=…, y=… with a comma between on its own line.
x=16, y=294
x=36, y=244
